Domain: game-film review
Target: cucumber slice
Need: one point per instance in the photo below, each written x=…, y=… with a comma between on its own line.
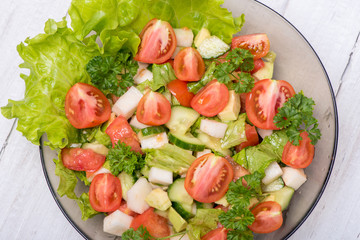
x=277, y=184
x=178, y=193
x=283, y=196
x=182, y=118
x=187, y=142
x=212, y=47
x=152, y=130
x=183, y=209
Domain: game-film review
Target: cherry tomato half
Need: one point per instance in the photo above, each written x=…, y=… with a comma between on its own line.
x=208, y=178
x=265, y=98
x=153, y=109
x=211, y=99
x=258, y=64
x=252, y=138
x=158, y=42
x=299, y=156
x=120, y=130
x=179, y=89
x=258, y=44
x=80, y=159
x=189, y=65
x=86, y=106
x=268, y=217
x=216, y=234
x=105, y=193
x=155, y=224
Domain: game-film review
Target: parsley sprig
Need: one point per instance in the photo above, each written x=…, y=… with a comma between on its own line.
x=239, y=217
x=296, y=116
x=113, y=74
x=122, y=158
x=225, y=72
x=143, y=234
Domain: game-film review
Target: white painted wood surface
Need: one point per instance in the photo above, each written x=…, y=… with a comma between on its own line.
x=27, y=209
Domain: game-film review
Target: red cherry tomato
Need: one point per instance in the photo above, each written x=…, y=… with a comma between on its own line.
x=208, y=178
x=211, y=99
x=179, y=89
x=86, y=106
x=258, y=64
x=79, y=159
x=158, y=42
x=124, y=208
x=252, y=138
x=189, y=65
x=258, y=44
x=268, y=217
x=299, y=156
x=216, y=234
x=239, y=171
x=105, y=193
x=265, y=98
x=156, y=225
x=120, y=130
x=153, y=109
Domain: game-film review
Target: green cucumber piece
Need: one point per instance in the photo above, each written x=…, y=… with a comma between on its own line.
x=187, y=142
x=283, y=196
x=275, y=185
x=183, y=209
x=182, y=118
x=178, y=193
x=152, y=130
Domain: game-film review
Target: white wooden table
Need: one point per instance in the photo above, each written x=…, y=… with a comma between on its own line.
x=27, y=209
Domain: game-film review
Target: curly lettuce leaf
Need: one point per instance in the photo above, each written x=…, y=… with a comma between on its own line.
x=204, y=221
x=86, y=210
x=133, y=15
x=56, y=61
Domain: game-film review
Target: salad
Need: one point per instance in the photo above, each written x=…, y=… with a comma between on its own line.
x=174, y=123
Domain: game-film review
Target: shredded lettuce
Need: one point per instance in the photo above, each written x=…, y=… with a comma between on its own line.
x=235, y=133
x=204, y=221
x=86, y=210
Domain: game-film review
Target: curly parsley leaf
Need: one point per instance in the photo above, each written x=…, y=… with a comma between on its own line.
x=121, y=158
x=296, y=116
x=113, y=74
x=140, y=234
x=225, y=73
x=239, y=216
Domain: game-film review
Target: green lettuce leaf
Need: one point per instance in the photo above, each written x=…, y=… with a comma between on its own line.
x=133, y=15
x=235, y=133
x=68, y=179
x=204, y=221
x=86, y=210
x=163, y=74
x=56, y=61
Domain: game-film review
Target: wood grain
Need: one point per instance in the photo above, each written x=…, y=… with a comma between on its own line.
x=27, y=210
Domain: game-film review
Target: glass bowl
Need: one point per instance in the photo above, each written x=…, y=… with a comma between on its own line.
x=296, y=63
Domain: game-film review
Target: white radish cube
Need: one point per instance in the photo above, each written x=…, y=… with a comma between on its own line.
x=177, y=50
x=160, y=176
x=137, y=194
x=205, y=151
x=181, y=237
x=184, y=37
x=272, y=172
x=142, y=65
x=142, y=75
x=135, y=123
x=126, y=105
x=264, y=132
x=213, y=128
x=155, y=141
x=90, y=176
x=117, y=223
x=293, y=177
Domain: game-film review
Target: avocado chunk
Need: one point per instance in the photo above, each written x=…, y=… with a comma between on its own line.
x=232, y=109
x=176, y=220
x=158, y=199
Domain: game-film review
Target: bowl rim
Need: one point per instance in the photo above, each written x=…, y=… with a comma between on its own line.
x=326, y=180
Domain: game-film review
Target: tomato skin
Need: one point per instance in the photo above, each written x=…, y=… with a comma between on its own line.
x=158, y=42
x=263, y=101
x=124, y=208
x=258, y=44
x=208, y=178
x=189, y=65
x=179, y=89
x=120, y=130
x=153, y=109
x=251, y=136
x=80, y=159
x=258, y=64
x=211, y=99
x=216, y=234
x=268, y=217
x=155, y=224
x=299, y=156
x=105, y=193
x=86, y=106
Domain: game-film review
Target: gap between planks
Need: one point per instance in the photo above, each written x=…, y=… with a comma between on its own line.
x=3, y=147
